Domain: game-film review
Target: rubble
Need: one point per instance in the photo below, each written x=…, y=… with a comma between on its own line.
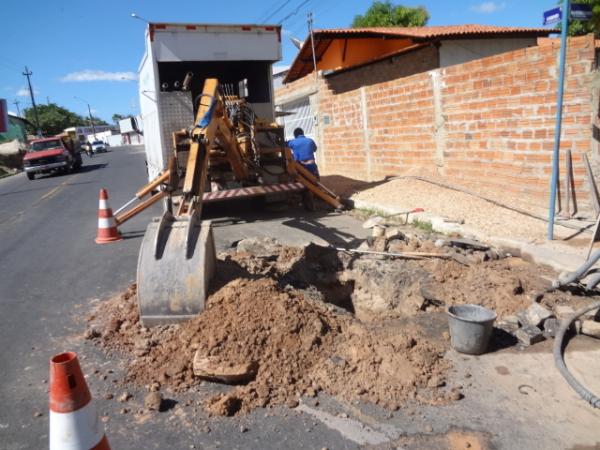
x=285, y=322
x=529, y=335
x=590, y=328
x=537, y=314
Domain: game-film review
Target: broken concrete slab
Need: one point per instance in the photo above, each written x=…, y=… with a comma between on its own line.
x=563, y=311
x=394, y=233
x=551, y=326
x=261, y=247
x=372, y=221
x=212, y=368
x=529, y=335
x=468, y=244
x=590, y=328
x=536, y=314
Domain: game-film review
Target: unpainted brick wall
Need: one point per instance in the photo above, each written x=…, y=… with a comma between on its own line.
x=489, y=121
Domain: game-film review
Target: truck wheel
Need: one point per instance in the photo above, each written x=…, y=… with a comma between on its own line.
x=31, y=175
x=308, y=201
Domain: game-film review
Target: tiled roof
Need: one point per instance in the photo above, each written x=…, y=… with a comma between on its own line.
x=438, y=31
x=303, y=65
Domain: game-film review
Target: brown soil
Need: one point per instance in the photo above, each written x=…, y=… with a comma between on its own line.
x=301, y=347
x=316, y=319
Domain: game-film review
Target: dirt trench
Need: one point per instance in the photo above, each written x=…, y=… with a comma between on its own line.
x=315, y=319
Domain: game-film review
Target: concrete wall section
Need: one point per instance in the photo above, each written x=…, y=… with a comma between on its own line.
x=459, y=51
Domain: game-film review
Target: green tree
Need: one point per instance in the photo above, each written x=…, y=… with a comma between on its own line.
x=386, y=14
x=579, y=27
x=53, y=119
x=116, y=117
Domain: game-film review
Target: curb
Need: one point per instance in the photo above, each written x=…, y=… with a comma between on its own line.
x=556, y=259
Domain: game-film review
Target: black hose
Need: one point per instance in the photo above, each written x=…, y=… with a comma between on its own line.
x=560, y=362
x=579, y=273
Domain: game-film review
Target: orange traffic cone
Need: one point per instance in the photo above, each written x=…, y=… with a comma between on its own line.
x=107, y=225
x=73, y=417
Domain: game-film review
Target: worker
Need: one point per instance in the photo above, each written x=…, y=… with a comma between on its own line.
x=303, y=150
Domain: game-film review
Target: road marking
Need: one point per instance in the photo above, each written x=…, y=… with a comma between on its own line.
x=51, y=193
x=351, y=429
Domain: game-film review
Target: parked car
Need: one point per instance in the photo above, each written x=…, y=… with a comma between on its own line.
x=58, y=153
x=98, y=147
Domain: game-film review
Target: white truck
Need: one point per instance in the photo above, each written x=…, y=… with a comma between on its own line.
x=230, y=53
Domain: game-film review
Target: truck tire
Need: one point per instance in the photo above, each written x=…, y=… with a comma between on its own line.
x=31, y=175
x=78, y=162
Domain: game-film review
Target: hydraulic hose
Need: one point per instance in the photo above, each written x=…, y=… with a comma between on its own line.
x=579, y=273
x=559, y=357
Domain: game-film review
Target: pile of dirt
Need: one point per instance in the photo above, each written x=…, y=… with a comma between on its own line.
x=301, y=347
x=314, y=319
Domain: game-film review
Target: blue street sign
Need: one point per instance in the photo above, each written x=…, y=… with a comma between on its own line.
x=553, y=15
x=580, y=11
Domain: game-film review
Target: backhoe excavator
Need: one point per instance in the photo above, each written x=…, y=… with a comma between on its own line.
x=227, y=145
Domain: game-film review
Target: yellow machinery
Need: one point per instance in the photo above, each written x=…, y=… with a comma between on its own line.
x=228, y=153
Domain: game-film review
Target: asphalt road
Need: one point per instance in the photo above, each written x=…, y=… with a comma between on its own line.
x=50, y=271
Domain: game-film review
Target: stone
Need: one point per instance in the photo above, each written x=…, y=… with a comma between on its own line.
x=125, y=396
x=92, y=333
x=522, y=318
x=394, y=233
x=37, y=414
x=212, y=368
x=372, y=221
x=518, y=288
x=591, y=315
x=510, y=324
x=265, y=246
x=153, y=401
x=108, y=396
x=529, y=335
x=536, y=314
x=590, y=328
x=468, y=244
x=439, y=243
x=378, y=244
x=243, y=428
x=563, y=311
x=378, y=231
x=551, y=327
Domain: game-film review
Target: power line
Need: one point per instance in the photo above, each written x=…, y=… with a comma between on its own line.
x=284, y=4
x=266, y=12
x=293, y=13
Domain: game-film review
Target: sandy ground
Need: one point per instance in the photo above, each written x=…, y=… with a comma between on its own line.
x=486, y=218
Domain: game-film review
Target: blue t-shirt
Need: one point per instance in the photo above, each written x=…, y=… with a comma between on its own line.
x=303, y=148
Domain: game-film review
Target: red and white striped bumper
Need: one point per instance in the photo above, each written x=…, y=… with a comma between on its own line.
x=251, y=191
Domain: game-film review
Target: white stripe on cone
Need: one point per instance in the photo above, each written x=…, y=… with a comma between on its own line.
x=77, y=430
x=107, y=222
x=103, y=204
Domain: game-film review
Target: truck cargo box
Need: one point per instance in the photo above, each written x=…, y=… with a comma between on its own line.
x=230, y=53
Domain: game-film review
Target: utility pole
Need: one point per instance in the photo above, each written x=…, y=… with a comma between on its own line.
x=312, y=41
x=47, y=100
x=16, y=103
x=92, y=121
x=90, y=113
x=28, y=74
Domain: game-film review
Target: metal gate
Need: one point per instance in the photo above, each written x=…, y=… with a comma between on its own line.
x=301, y=117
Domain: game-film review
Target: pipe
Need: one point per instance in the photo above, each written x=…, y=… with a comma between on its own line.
x=187, y=81
x=566, y=11
x=579, y=273
x=593, y=281
x=560, y=362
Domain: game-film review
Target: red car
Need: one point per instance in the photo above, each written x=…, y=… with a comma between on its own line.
x=51, y=154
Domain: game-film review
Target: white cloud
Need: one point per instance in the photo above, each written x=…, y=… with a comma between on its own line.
x=488, y=7
x=24, y=92
x=99, y=75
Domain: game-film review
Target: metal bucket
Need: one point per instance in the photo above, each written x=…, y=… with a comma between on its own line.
x=470, y=328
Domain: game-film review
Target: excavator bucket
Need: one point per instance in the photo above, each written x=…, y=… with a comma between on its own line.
x=176, y=263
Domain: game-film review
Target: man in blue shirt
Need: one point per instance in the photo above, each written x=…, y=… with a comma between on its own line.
x=303, y=149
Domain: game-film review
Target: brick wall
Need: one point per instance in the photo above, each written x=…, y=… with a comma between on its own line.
x=488, y=122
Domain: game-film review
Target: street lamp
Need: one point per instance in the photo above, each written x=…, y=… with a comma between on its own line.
x=90, y=113
x=135, y=16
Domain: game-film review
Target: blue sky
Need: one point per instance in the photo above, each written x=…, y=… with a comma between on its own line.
x=91, y=49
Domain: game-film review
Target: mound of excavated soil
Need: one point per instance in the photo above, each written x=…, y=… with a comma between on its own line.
x=301, y=347
x=290, y=311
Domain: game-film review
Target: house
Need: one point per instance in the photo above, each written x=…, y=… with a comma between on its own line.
x=475, y=104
